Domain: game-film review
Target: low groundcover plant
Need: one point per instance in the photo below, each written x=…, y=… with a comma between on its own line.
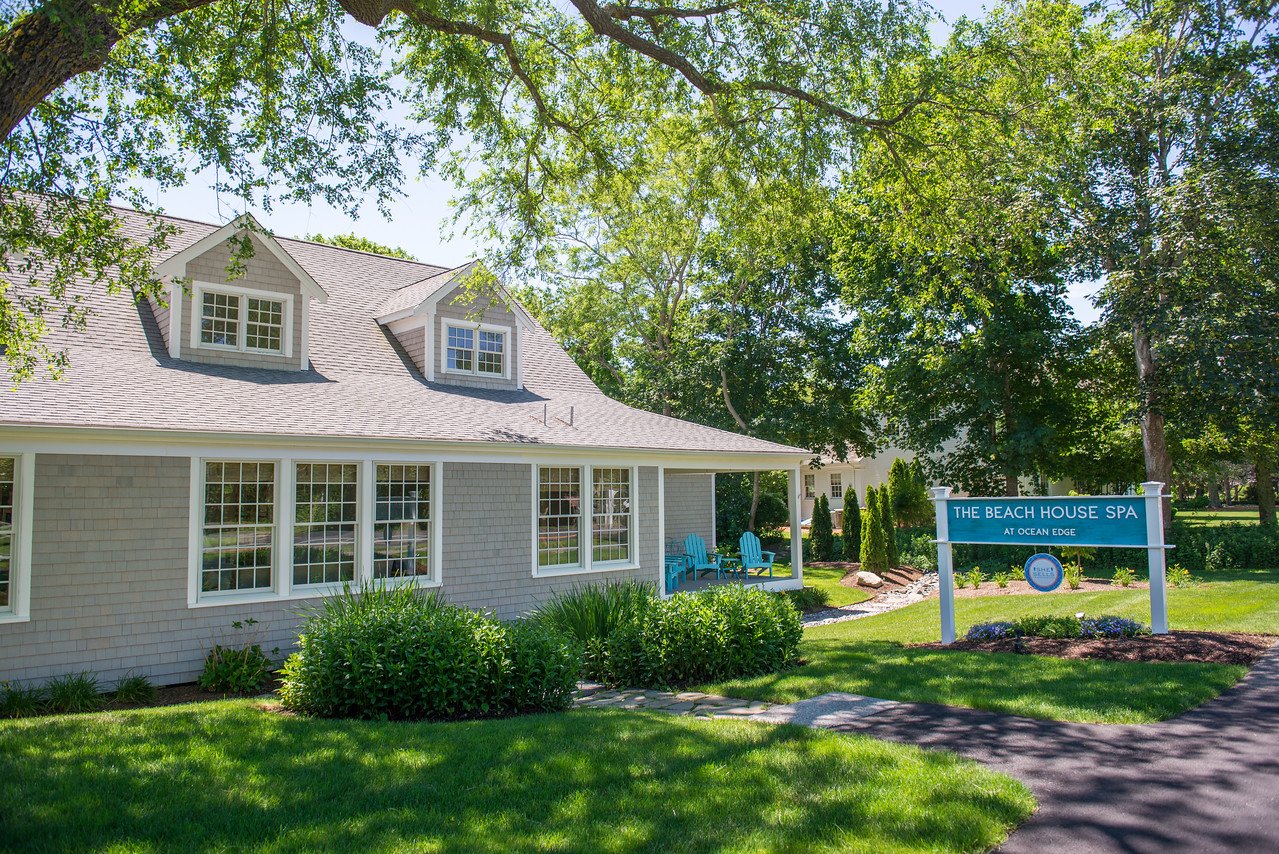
x=1059, y=627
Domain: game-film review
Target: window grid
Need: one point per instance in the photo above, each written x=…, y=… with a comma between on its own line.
x=402, y=524
x=8, y=469
x=810, y=486
x=559, y=516
x=238, y=536
x=264, y=325
x=836, y=486
x=220, y=319
x=461, y=349
x=491, y=359
x=324, y=529
x=611, y=515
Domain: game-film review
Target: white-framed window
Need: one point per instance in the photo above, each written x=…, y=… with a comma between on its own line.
x=584, y=518
x=402, y=535
x=559, y=517
x=326, y=500
x=611, y=516
x=810, y=486
x=238, y=529
x=476, y=349
x=17, y=495
x=242, y=320
x=836, y=485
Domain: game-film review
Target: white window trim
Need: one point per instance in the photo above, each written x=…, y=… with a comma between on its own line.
x=841, y=485
x=24, y=486
x=282, y=588
x=199, y=289
x=508, y=347
x=810, y=487
x=586, y=564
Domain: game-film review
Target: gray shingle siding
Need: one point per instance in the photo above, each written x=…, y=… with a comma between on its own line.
x=110, y=566
x=481, y=309
x=690, y=506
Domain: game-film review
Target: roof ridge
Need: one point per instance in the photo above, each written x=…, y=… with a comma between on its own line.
x=433, y=275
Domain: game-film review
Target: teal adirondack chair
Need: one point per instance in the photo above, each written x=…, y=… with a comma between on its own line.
x=698, y=560
x=676, y=571
x=753, y=557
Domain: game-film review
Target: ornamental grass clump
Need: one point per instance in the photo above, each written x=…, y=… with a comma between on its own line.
x=720, y=633
x=397, y=654
x=590, y=613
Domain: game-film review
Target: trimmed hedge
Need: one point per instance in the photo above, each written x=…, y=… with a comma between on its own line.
x=722, y=632
x=395, y=654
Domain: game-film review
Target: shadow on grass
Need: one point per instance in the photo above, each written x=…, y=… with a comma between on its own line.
x=229, y=776
x=1034, y=686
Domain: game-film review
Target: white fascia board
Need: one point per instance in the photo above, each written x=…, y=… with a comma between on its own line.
x=176, y=264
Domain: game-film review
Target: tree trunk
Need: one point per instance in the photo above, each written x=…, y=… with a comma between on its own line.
x=1265, y=491
x=754, y=500
x=1214, y=494
x=1012, y=486
x=1154, y=442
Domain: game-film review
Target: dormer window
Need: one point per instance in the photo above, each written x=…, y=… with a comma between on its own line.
x=476, y=349
x=244, y=320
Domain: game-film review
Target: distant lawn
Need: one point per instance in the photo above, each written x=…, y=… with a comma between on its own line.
x=229, y=776
x=1213, y=518
x=869, y=656
x=827, y=578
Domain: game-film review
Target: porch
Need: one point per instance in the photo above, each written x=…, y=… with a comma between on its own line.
x=688, y=508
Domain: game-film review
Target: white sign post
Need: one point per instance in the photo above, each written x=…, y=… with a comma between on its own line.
x=1096, y=521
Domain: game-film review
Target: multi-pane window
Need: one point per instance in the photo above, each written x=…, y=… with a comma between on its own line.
x=324, y=526
x=402, y=524
x=220, y=319
x=264, y=326
x=492, y=355
x=8, y=471
x=810, y=486
x=559, y=516
x=475, y=351
x=242, y=322
x=836, y=486
x=610, y=515
x=238, y=536
x=461, y=349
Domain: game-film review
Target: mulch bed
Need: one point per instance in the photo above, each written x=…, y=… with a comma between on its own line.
x=1203, y=647
x=1019, y=586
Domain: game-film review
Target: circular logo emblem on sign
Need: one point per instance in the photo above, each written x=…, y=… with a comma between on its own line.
x=1044, y=572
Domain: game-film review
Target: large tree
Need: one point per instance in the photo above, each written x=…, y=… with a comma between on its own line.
x=278, y=101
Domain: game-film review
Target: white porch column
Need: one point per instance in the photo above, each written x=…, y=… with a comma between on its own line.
x=1156, y=556
x=793, y=481
x=945, y=569
x=661, y=531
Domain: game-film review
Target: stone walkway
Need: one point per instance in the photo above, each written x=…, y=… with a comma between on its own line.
x=916, y=591
x=693, y=703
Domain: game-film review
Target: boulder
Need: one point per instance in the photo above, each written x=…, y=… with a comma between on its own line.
x=869, y=579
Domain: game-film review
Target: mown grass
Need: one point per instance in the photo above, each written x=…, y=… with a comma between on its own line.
x=870, y=656
x=1213, y=518
x=827, y=578
x=230, y=776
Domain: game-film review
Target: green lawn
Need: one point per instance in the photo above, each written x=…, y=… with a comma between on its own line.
x=869, y=656
x=827, y=578
x=1213, y=518
x=230, y=776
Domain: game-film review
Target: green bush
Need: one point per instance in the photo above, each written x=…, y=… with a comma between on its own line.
x=852, y=531
x=973, y=578
x=1004, y=576
x=1124, y=576
x=808, y=598
x=134, y=688
x=1074, y=574
x=720, y=633
x=395, y=654
x=890, y=526
x=1178, y=576
x=1047, y=626
x=918, y=550
x=235, y=669
x=75, y=692
x=589, y=614
x=822, y=537
x=874, y=550
x=19, y=702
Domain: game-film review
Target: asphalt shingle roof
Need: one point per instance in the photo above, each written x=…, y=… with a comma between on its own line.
x=361, y=384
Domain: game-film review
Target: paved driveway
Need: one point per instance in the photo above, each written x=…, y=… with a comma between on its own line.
x=1205, y=781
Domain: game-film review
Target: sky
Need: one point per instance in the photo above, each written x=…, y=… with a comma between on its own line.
x=419, y=221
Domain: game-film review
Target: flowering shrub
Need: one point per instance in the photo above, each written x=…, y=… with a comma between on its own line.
x=991, y=631
x=1111, y=627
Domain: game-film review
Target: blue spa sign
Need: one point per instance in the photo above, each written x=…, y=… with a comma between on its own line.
x=1106, y=521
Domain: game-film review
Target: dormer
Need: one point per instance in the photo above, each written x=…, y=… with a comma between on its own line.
x=257, y=318
x=458, y=332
